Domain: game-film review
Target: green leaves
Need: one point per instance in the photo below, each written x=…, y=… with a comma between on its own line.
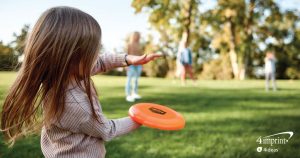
x=240, y=26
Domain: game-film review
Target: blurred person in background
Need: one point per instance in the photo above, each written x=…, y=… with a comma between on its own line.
x=270, y=69
x=184, y=61
x=134, y=47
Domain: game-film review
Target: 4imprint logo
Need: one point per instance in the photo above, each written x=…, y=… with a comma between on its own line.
x=274, y=139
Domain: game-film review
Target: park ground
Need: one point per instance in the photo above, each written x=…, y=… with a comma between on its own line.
x=223, y=119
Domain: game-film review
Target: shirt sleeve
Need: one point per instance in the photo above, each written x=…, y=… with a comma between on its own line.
x=78, y=118
x=107, y=129
x=108, y=61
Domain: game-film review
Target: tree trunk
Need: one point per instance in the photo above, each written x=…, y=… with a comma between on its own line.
x=244, y=70
x=232, y=52
x=234, y=63
x=189, y=20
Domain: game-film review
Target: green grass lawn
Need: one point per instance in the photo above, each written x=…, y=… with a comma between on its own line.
x=223, y=119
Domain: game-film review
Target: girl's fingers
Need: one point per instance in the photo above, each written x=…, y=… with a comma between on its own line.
x=158, y=55
x=146, y=58
x=154, y=56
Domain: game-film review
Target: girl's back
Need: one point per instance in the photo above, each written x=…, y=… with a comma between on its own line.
x=77, y=133
x=61, y=54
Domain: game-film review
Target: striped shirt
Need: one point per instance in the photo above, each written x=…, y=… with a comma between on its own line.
x=77, y=134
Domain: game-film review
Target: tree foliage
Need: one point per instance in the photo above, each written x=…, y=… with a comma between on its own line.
x=9, y=53
x=7, y=58
x=243, y=29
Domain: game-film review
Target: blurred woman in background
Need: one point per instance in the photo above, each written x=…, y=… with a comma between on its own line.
x=184, y=61
x=134, y=47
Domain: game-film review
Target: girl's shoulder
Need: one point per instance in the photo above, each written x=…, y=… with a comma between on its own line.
x=77, y=98
x=75, y=94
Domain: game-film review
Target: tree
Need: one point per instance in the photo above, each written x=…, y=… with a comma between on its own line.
x=239, y=30
x=171, y=19
x=20, y=39
x=240, y=27
x=7, y=58
x=234, y=26
x=279, y=32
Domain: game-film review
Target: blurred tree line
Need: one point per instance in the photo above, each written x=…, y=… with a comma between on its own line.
x=229, y=40
x=10, y=53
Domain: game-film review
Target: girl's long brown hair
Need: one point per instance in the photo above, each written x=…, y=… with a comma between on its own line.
x=64, y=43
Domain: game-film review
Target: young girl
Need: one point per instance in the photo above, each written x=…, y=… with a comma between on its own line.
x=134, y=71
x=61, y=54
x=270, y=70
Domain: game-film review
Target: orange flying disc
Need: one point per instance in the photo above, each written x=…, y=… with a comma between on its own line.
x=156, y=116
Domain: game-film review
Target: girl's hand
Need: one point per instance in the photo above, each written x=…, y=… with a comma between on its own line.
x=140, y=60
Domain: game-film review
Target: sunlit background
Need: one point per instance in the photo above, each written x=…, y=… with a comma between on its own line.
x=226, y=109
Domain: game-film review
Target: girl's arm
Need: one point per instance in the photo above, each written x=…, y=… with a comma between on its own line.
x=107, y=61
x=107, y=129
x=78, y=118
